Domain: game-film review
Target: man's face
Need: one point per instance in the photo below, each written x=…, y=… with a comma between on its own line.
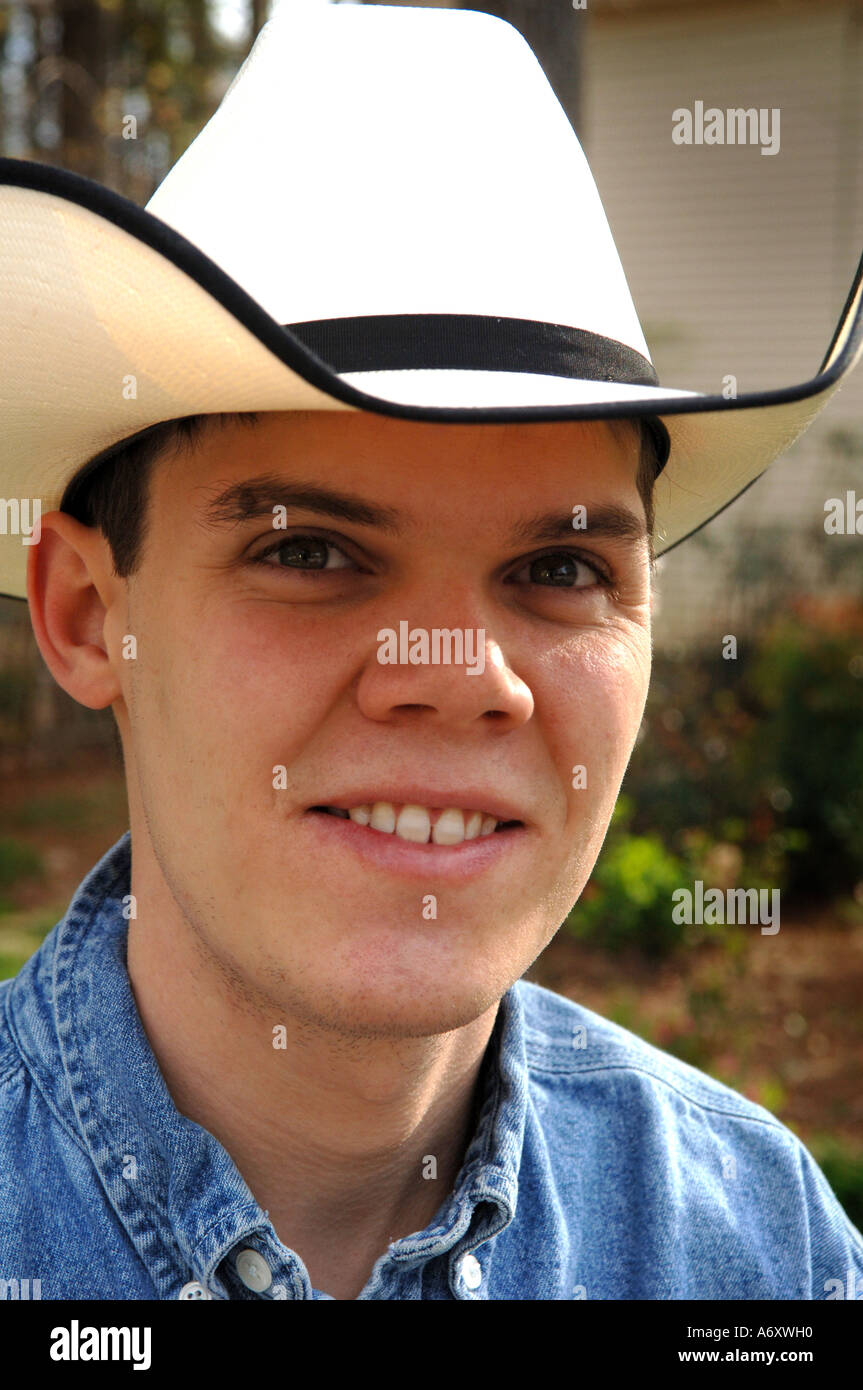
x=257, y=650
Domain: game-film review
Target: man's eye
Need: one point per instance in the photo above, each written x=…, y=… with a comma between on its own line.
x=562, y=570
x=305, y=553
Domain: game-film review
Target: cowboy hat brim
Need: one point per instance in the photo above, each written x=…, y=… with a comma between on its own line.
x=113, y=321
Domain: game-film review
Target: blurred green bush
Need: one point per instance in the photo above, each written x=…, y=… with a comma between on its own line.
x=628, y=898
x=808, y=680
x=18, y=861
x=843, y=1169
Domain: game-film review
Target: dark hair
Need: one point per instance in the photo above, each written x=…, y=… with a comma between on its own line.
x=111, y=490
x=653, y=449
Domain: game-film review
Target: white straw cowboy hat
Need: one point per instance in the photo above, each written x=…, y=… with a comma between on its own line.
x=389, y=211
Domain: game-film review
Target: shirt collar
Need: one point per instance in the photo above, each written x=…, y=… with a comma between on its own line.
x=178, y=1193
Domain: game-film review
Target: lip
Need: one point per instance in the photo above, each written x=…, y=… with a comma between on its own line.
x=427, y=862
x=466, y=799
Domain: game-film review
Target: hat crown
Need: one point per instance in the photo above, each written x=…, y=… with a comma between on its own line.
x=393, y=160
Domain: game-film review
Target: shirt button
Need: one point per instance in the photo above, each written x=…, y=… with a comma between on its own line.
x=470, y=1271
x=194, y=1290
x=253, y=1270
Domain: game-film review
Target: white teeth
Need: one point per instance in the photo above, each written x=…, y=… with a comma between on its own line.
x=414, y=823
x=383, y=817
x=449, y=828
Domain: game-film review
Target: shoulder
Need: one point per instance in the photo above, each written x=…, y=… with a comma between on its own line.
x=37, y=1137
x=33, y=1093
x=565, y=1039
x=58, y=1231
x=12, y=1067
x=669, y=1145
x=601, y=1072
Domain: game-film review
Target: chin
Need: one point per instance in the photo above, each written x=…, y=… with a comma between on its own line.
x=405, y=1012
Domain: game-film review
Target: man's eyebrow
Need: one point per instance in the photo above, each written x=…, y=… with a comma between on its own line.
x=253, y=498
x=256, y=497
x=610, y=519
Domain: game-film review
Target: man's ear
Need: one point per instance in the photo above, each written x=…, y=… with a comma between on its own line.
x=72, y=590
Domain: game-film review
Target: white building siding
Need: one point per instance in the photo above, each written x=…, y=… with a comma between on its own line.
x=738, y=262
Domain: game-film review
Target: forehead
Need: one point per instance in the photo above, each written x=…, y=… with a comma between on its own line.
x=406, y=457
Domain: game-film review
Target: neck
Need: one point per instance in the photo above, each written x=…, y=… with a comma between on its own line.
x=349, y=1142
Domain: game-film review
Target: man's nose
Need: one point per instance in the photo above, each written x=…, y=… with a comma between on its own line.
x=452, y=676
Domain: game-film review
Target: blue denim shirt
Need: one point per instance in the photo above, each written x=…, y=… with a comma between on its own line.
x=600, y=1168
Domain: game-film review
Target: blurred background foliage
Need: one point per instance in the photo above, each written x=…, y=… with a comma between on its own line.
x=74, y=71
x=746, y=773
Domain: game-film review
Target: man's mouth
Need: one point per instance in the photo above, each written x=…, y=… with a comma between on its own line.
x=422, y=825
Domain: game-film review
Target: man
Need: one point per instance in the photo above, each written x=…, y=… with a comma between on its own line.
x=361, y=616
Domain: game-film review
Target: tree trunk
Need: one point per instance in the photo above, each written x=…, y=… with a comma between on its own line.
x=259, y=11
x=83, y=75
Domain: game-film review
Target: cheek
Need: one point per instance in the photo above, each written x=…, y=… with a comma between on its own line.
x=218, y=701
x=595, y=695
x=596, y=702
x=249, y=678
